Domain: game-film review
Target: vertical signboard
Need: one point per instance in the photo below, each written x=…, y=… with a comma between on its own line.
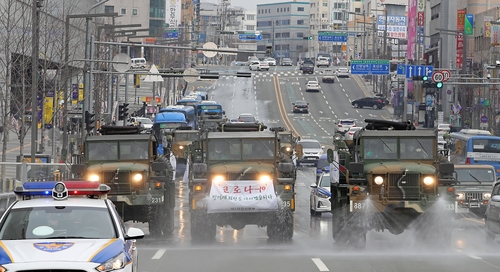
x=487, y=26
x=396, y=26
x=469, y=24
x=412, y=24
x=173, y=12
x=494, y=35
x=460, y=38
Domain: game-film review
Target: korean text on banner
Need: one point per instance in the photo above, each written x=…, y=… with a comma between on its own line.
x=412, y=31
x=487, y=26
x=469, y=24
x=173, y=13
x=242, y=196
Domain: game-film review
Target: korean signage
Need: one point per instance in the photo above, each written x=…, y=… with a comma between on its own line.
x=396, y=26
x=412, y=24
x=242, y=196
x=469, y=24
x=460, y=39
x=173, y=12
x=487, y=26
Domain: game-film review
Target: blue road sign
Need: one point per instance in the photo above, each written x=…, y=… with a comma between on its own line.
x=171, y=34
x=414, y=70
x=250, y=36
x=370, y=67
x=329, y=36
x=484, y=119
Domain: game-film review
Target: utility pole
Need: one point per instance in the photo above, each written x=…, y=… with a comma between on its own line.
x=36, y=5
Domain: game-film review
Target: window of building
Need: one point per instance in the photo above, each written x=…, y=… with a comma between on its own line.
x=285, y=35
x=123, y=11
x=299, y=47
x=300, y=8
x=109, y=9
x=300, y=35
x=250, y=27
x=357, y=10
x=435, y=11
x=285, y=22
x=325, y=4
x=324, y=26
x=277, y=9
x=288, y=9
x=268, y=10
x=266, y=36
x=339, y=6
x=337, y=16
x=277, y=47
x=258, y=12
x=324, y=15
x=285, y=47
x=300, y=22
x=263, y=23
x=277, y=35
x=134, y=11
x=250, y=17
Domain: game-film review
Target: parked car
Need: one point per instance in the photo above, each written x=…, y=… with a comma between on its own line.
x=247, y=118
x=286, y=62
x=323, y=166
x=311, y=151
x=369, y=101
x=271, y=61
x=300, y=106
x=343, y=125
x=312, y=86
x=320, y=195
x=383, y=98
x=322, y=62
x=342, y=72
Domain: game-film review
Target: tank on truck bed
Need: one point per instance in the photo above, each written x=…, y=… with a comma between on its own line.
x=242, y=177
x=395, y=182
x=140, y=179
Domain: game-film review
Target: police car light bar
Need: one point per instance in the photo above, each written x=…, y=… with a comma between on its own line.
x=58, y=189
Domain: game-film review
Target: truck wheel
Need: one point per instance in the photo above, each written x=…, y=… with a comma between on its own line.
x=282, y=228
x=202, y=228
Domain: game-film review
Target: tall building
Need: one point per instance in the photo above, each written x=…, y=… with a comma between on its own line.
x=285, y=26
x=321, y=20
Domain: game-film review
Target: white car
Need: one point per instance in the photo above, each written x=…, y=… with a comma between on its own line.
x=311, y=151
x=441, y=143
x=322, y=62
x=443, y=128
x=349, y=135
x=259, y=66
x=343, y=125
x=144, y=122
x=66, y=226
x=342, y=72
x=320, y=195
x=271, y=61
x=312, y=86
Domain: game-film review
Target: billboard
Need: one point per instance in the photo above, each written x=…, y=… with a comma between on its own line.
x=412, y=31
x=173, y=12
x=396, y=26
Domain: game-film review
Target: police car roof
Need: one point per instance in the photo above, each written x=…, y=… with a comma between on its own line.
x=73, y=201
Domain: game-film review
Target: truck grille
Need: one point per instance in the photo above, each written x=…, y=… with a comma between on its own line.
x=406, y=188
x=474, y=196
x=246, y=176
x=119, y=185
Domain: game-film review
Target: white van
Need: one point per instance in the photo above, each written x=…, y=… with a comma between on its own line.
x=138, y=63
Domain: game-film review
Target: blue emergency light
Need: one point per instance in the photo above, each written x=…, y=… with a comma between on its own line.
x=60, y=190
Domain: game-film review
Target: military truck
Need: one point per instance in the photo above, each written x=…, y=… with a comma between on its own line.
x=241, y=175
x=140, y=179
x=394, y=181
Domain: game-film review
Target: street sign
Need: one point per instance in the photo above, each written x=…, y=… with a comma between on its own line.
x=414, y=70
x=171, y=34
x=370, y=67
x=250, y=36
x=330, y=36
x=437, y=76
x=446, y=75
x=484, y=119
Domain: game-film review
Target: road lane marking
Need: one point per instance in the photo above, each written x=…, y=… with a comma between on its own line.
x=158, y=254
x=321, y=266
x=475, y=220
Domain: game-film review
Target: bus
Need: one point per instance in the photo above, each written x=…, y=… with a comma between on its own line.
x=190, y=101
x=188, y=111
x=472, y=146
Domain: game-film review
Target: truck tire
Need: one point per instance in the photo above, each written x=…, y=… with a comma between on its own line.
x=203, y=229
x=281, y=229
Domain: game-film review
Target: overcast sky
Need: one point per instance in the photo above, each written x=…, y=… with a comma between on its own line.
x=250, y=5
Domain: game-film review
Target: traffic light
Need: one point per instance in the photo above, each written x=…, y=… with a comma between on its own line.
x=310, y=37
x=419, y=78
x=439, y=85
x=89, y=121
x=307, y=38
x=122, y=111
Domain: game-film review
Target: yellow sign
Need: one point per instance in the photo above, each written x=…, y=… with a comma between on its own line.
x=48, y=109
x=344, y=48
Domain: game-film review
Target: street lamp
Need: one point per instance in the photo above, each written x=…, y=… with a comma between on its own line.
x=36, y=5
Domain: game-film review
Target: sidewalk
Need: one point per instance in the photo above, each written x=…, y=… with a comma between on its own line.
x=368, y=90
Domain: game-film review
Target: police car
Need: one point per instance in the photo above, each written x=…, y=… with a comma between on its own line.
x=70, y=226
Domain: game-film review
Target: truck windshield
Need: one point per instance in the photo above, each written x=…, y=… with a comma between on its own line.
x=258, y=149
x=474, y=175
x=417, y=148
x=103, y=151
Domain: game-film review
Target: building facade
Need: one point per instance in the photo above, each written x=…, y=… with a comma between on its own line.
x=285, y=26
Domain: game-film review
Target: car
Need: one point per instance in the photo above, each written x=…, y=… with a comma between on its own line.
x=259, y=66
x=323, y=166
x=441, y=143
x=312, y=86
x=322, y=62
x=443, y=128
x=144, y=122
x=247, y=118
x=252, y=60
x=319, y=200
x=311, y=151
x=138, y=63
x=271, y=61
x=343, y=125
x=328, y=76
x=474, y=190
x=300, y=106
x=349, y=135
x=369, y=101
x=342, y=72
x=66, y=226
x=286, y=62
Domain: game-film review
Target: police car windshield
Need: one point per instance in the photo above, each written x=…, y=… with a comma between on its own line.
x=61, y=222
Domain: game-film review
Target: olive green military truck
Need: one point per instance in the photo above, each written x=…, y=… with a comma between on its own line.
x=394, y=181
x=141, y=181
x=241, y=175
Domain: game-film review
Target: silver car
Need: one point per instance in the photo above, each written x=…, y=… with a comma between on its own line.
x=320, y=195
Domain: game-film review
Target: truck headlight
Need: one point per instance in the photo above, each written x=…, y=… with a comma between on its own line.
x=115, y=263
x=218, y=178
x=379, y=180
x=264, y=178
x=428, y=180
x=137, y=177
x=94, y=177
x=460, y=195
x=486, y=196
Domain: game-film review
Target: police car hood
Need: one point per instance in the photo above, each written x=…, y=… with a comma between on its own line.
x=399, y=167
x=77, y=250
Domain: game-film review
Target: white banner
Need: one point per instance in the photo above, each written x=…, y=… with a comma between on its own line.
x=242, y=196
x=173, y=13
